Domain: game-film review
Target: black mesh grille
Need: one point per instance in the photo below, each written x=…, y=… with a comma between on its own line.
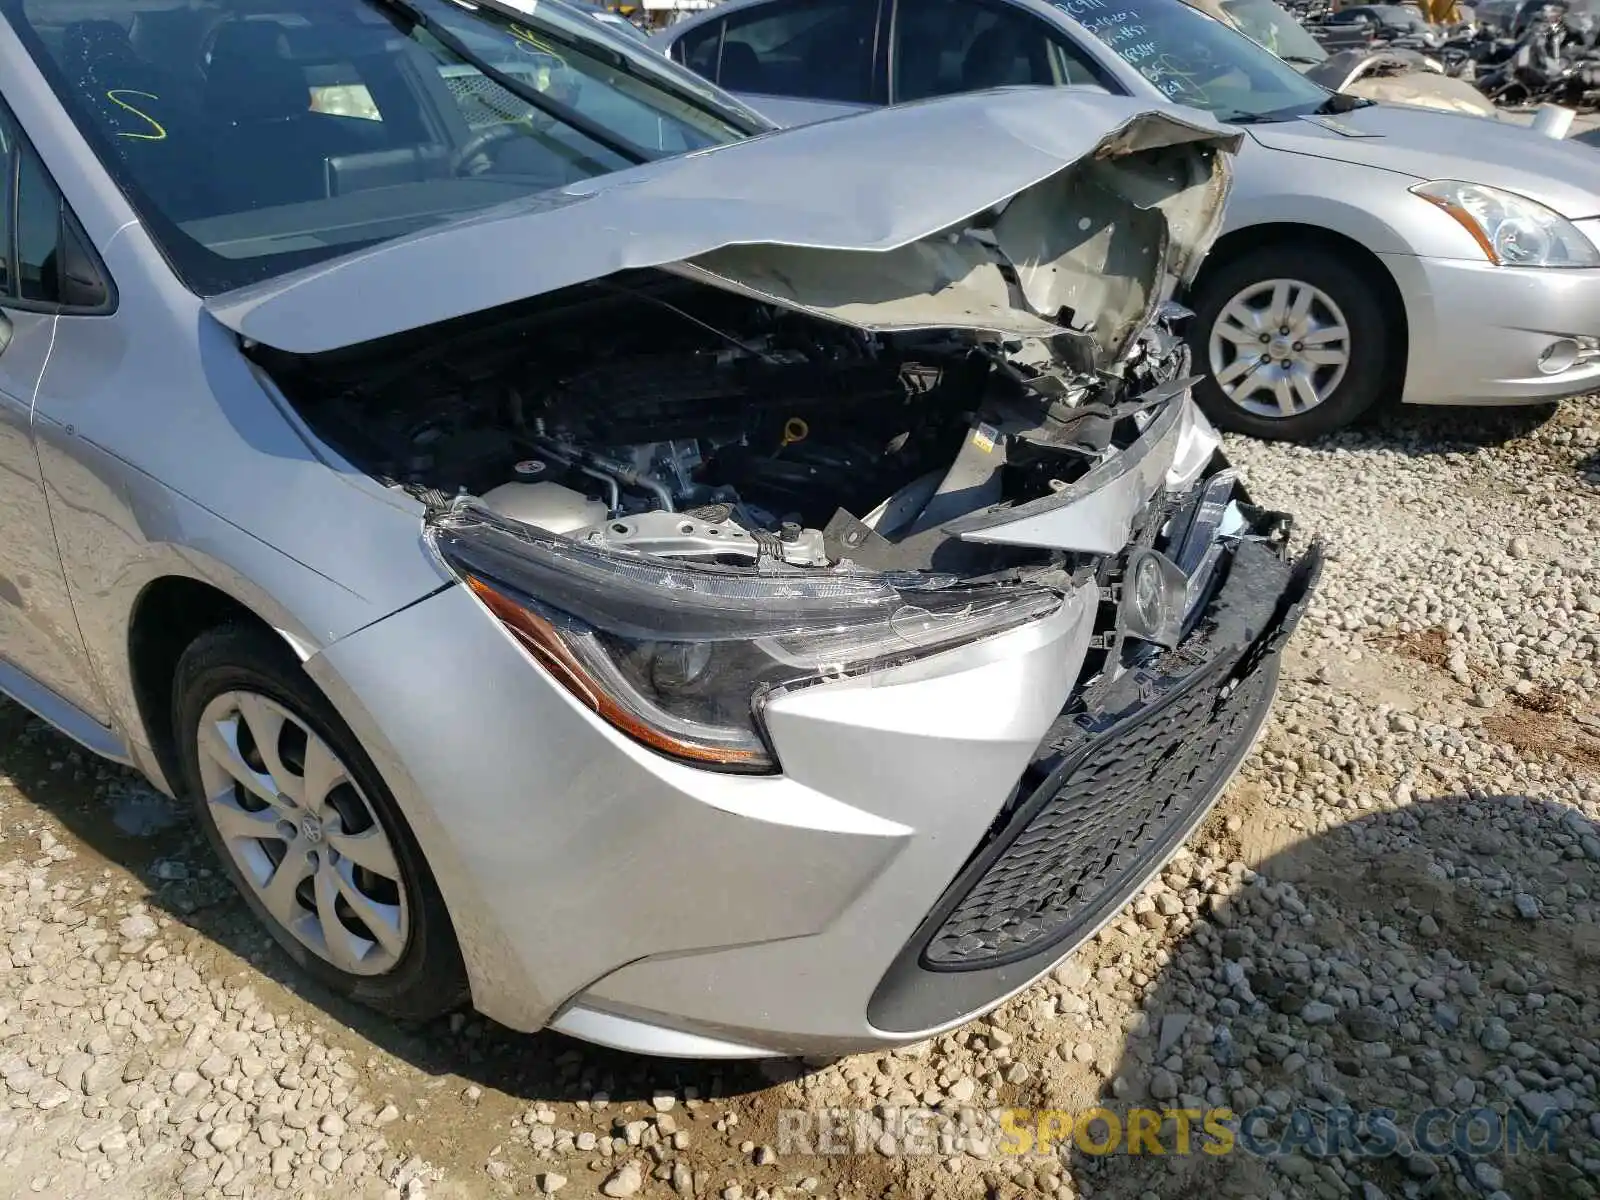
x=1115, y=800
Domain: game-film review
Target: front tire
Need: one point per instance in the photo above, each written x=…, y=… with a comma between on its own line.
x=306, y=829
x=1293, y=343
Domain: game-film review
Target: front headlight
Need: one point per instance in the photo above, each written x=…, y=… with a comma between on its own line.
x=1512, y=230
x=682, y=658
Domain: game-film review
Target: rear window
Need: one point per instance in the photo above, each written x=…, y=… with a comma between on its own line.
x=257, y=137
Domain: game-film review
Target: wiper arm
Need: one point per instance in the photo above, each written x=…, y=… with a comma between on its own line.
x=568, y=116
x=1342, y=102
x=1301, y=58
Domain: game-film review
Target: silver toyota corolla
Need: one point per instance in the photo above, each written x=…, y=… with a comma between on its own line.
x=1370, y=250
x=710, y=594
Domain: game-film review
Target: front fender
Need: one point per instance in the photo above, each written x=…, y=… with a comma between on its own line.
x=1368, y=205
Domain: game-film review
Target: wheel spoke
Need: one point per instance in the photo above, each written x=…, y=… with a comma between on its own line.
x=278, y=894
x=1246, y=386
x=1300, y=308
x=1237, y=369
x=266, y=727
x=1242, y=316
x=1278, y=306
x=1305, y=389
x=220, y=743
x=1284, y=391
x=324, y=772
x=382, y=919
x=1324, y=334
x=1323, y=358
x=1237, y=334
x=235, y=822
x=343, y=946
x=369, y=849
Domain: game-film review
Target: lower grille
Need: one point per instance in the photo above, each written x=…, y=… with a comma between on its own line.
x=1118, y=793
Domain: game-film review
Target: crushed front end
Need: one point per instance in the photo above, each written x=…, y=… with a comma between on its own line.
x=853, y=623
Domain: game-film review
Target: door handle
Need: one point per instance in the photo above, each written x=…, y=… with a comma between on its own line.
x=5, y=331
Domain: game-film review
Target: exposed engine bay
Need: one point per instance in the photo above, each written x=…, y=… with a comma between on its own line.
x=702, y=434
x=668, y=417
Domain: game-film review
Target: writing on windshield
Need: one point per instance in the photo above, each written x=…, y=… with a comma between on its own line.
x=1194, y=59
x=1129, y=34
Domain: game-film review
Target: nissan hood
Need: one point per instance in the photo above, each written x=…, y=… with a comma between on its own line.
x=1430, y=144
x=1024, y=212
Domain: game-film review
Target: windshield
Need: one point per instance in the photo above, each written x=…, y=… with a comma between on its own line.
x=1267, y=23
x=259, y=136
x=1195, y=60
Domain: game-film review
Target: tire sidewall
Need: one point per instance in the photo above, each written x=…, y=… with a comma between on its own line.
x=431, y=967
x=1366, y=375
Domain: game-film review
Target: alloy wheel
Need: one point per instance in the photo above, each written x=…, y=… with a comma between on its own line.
x=1279, y=347
x=305, y=838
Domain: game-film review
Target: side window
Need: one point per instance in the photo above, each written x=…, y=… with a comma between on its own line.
x=38, y=232
x=813, y=49
x=45, y=258
x=697, y=49
x=8, y=172
x=941, y=47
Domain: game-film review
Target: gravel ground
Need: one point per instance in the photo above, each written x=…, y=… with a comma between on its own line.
x=1395, y=906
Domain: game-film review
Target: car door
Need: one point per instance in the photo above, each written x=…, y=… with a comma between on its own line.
x=40, y=643
x=794, y=61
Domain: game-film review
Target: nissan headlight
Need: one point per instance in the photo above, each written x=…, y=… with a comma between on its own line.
x=1512, y=230
x=682, y=658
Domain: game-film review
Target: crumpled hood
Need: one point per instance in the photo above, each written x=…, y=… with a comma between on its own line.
x=1108, y=202
x=1424, y=89
x=1429, y=144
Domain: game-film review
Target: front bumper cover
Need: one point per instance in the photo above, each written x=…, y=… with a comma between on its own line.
x=1112, y=791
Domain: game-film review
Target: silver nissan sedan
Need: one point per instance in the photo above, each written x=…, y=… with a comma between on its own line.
x=710, y=591
x=1370, y=251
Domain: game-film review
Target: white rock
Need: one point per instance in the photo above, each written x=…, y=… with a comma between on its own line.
x=624, y=1181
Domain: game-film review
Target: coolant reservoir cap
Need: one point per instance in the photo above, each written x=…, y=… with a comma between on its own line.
x=528, y=468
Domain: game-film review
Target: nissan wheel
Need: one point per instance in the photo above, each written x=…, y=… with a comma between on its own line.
x=1293, y=343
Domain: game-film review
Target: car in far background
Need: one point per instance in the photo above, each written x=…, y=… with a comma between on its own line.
x=1368, y=250
x=1398, y=74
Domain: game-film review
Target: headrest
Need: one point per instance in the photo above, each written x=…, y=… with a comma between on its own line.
x=251, y=78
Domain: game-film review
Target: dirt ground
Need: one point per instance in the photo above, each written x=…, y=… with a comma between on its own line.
x=1368, y=857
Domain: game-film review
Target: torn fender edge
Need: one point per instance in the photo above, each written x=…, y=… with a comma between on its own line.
x=1095, y=514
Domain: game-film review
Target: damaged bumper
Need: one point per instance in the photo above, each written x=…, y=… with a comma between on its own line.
x=918, y=859
x=1114, y=788
x=1092, y=809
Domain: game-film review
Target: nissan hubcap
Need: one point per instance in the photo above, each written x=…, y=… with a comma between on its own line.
x=303, y=835
x=1279, y=348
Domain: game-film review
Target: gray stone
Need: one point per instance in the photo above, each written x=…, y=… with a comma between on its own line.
x=624, y=1181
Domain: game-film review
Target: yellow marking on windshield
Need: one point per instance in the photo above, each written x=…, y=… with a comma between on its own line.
x=528, y=37
x=160, y=134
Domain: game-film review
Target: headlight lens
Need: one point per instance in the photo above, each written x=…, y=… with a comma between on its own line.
x=682, y=658
x=1512, y=230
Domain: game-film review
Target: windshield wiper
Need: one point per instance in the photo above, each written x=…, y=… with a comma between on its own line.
x=1340, y=102
x=568, y=116
x=1301, y=58
x=1249, y=118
